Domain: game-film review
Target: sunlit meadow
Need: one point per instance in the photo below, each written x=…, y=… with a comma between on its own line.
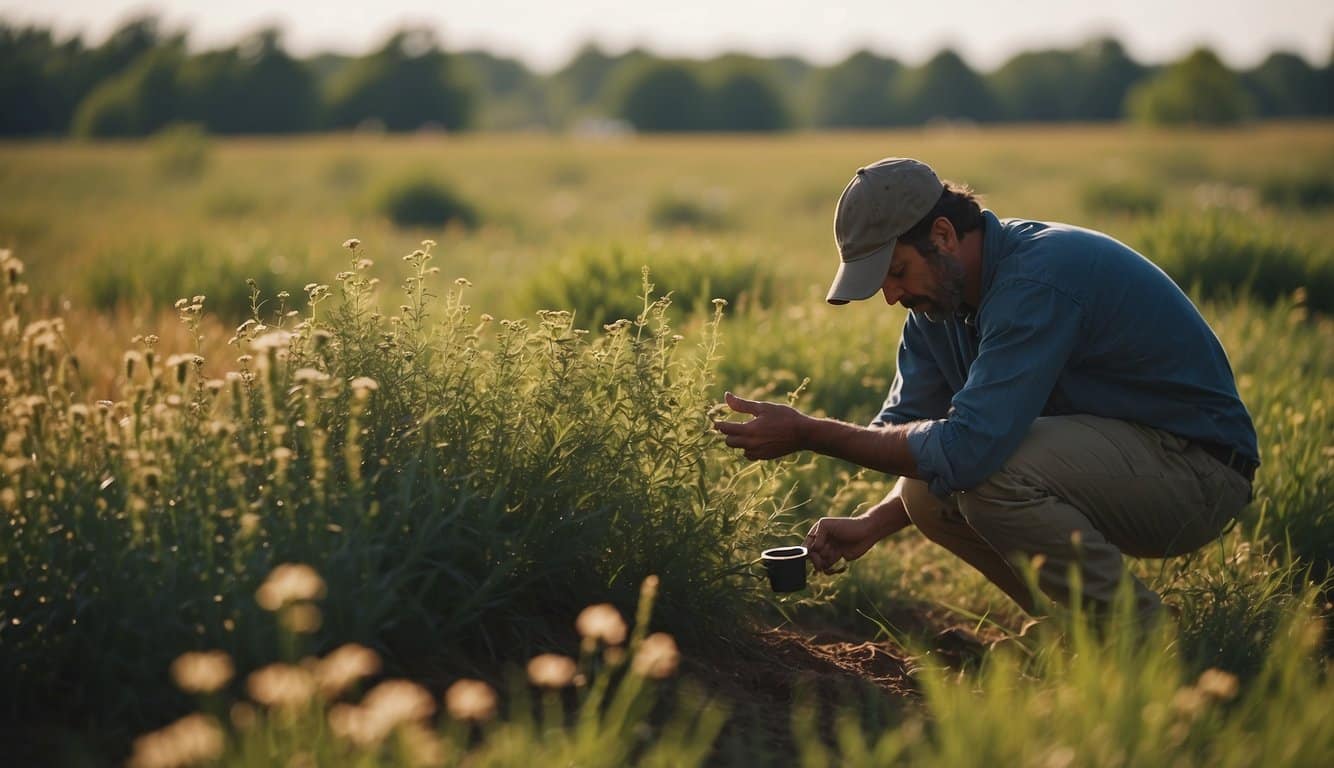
x=445, y=492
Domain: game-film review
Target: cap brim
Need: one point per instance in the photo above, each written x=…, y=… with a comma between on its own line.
x=860, y=279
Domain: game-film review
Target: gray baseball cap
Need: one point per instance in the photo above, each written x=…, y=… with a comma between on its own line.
x=884, y=200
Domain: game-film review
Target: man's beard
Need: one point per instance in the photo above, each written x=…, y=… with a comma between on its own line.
x=947, y=294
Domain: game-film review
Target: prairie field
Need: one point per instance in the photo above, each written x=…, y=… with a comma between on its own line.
x=317, y=448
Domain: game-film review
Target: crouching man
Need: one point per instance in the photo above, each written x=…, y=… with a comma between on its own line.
x=1057, y=395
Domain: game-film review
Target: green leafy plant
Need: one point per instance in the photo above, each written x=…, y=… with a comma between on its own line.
x=460, y=482
x=181, y=151
x=425, y=202
x=670, y=210
x=602, y=285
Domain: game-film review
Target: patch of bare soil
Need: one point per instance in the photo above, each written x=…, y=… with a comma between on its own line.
x=763, y=676
x=826, y=655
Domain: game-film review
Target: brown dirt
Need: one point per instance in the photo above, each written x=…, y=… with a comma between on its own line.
x=762, y=677
x=882, y=665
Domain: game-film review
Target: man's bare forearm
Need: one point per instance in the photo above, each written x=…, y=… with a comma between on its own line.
x=891, y=515
x=880, y=448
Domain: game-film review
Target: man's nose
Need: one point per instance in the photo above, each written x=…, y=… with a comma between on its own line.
x=891, y=294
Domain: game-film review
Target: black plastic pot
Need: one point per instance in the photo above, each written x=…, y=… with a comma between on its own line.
x=786, y=567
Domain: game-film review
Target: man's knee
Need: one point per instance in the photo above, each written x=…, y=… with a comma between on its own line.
x=925, y=509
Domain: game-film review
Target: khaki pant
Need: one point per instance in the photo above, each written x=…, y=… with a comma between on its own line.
x=1082, y=490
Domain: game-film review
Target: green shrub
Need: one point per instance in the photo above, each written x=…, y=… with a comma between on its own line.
x=425, y=202
x=157, y=276
x=601, y=285
x=676, y=211
x=231, y=203
x=181, y=151
x=345, y=172
x=1224, y=255
x=1306, y=191
x=464, y=486
x=1122, y=198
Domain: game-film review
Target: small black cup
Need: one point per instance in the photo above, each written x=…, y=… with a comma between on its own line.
x=786, y=567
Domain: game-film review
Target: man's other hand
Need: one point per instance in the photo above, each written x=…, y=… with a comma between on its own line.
x=775, y=431
x=840, y=538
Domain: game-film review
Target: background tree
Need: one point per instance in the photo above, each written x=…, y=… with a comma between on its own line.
x=509, y=94
x=1199, y=89
x=138, y=101
x=251, y=88
x=857, y=93
x=43, y=81
x=141, y=78
x=947, y=88
x=406, y=84
x=1035, y=86
x=29, y=89
x=583, y=86
x=211, y=90
x=1102, y=77
x=280, y=90
x=660, y=96
x=743, y=97
x=1285, y=85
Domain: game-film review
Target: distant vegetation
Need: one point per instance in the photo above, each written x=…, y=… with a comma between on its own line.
x=143, y=78
x=605, y=286
x=421, y=201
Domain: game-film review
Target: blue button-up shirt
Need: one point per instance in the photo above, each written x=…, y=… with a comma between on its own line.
x=1070, y=321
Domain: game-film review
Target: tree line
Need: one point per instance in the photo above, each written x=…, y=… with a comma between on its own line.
x=142, y=78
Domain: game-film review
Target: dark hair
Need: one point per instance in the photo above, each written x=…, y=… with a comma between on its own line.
x=958, y=203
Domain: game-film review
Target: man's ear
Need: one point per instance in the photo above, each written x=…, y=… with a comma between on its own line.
x=943, y=234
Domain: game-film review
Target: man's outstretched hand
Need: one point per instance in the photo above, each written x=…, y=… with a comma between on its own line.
x=776, y=430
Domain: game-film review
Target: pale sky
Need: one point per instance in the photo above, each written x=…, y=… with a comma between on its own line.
x=545, y=34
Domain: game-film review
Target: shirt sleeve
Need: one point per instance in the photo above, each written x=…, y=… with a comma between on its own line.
x=919, y=390
x=1028, y=334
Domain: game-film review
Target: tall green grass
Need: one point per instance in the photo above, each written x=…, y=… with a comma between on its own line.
x=1224, y=254
x=1086, y=700
x=1134, y=198
x=1285, y=375
x=155, y=275
x=602, y=284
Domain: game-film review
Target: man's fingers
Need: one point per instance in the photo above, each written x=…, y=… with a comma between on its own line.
x=815, y=538
x=823, y=554
x=739, y=404
x=729, y=427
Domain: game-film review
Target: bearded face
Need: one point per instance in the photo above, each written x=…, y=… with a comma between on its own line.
x=927, y=280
